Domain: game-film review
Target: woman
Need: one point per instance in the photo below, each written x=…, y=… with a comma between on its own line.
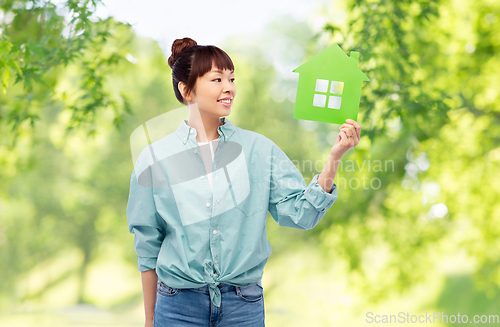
x=199, y=208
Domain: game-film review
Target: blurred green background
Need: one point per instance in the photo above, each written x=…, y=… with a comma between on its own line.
x=421, y=236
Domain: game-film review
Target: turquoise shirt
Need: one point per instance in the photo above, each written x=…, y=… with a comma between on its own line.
x=194, y=235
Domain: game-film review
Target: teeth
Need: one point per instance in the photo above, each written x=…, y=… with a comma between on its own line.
x=225, y=101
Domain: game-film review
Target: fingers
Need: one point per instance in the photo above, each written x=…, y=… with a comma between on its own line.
x=352, y=128
x=347, y=139
x=343, y=135
x=349, y=130
x=355, y=124
x=350, y=133
x=356, y=127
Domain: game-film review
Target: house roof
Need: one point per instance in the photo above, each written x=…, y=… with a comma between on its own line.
x=334, y=59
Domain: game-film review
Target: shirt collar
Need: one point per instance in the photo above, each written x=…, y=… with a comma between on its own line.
x=185, y=132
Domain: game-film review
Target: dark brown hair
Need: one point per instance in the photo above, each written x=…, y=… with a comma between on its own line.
x=190, y=61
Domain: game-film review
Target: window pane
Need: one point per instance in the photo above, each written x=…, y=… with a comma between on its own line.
x=337, y=87
x=319, y=100
x=334, y=102
x=321, y=85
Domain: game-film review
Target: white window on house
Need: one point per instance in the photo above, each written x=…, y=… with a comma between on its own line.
x=319, y=100
x=322, y=85
x=334, y=101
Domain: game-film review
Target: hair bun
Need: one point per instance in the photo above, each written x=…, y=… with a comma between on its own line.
x=178, y=47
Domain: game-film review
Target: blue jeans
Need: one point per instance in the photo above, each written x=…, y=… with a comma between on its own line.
x=240, y=306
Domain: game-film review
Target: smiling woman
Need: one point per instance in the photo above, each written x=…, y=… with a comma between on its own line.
x=203, y=79
x=200, y=206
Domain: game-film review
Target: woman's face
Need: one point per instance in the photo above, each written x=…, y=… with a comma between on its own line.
x=214, y=92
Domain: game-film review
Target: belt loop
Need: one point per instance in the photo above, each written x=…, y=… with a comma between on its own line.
x=237, y=290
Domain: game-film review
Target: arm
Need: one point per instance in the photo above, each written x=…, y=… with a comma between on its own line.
x=149, y=229
x=348, y=137
x=327, y=176
x=149, y=283
x=292, y=203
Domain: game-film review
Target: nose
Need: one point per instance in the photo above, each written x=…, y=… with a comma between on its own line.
x=229, y=88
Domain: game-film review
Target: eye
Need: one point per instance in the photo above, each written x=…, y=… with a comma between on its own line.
x=218, y=79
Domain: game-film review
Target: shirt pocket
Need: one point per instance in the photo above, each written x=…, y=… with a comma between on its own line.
x=255, y=201
x=246, y=190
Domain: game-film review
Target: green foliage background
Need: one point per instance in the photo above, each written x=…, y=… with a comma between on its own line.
x=73, y=91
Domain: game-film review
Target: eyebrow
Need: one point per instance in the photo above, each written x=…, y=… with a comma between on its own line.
x=220, y=72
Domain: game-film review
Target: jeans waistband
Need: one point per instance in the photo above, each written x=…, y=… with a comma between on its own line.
x=222, y=287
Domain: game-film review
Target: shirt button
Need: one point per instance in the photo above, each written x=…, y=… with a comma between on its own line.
x=192, y=131
x=208, y=204
x=215, y=232
x=218, y=201
x=226, y=137
x=184, y=139
x=202, y=176
x=195, y=150
x=215, y=261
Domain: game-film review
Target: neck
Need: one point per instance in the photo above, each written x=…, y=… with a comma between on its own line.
x=205, y=125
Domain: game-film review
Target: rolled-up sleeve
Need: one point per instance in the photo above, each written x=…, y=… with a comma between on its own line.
x=292, y=203
x=144, y=222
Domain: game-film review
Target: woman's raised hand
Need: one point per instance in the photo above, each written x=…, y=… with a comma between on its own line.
x=348, y=138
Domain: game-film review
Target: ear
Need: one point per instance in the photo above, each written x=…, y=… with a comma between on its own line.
x=182, y=88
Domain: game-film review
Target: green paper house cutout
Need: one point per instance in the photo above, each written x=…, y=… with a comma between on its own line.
x=329, y=87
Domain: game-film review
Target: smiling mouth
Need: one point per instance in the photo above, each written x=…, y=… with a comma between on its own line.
x=224, y=101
